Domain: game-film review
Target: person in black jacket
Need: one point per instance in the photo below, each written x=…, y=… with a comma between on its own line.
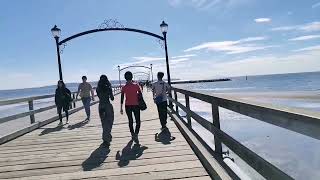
x=62, y=100
x=104, y=92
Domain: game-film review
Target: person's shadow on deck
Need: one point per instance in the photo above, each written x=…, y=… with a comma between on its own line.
x=50, y=130
x=164, y=137
x=129, y=153
x=78, y=125
x=96, y=158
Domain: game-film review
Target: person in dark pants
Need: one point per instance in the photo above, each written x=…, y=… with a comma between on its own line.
x=104, y=92
x=84, y=90
x=160, y=90
x=131, y=91
x=62, y=100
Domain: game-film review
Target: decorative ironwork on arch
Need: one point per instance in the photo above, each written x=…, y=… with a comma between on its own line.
x=135, y=66
x=112, y=25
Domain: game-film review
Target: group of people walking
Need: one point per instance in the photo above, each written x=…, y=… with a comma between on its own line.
x=131, y=97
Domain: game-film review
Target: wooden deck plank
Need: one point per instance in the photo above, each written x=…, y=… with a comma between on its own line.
x=82, y=155
x=175, y=174
x=118, y=171
x=74, y=152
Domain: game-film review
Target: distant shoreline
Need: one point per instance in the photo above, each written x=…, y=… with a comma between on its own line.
x=75, y=83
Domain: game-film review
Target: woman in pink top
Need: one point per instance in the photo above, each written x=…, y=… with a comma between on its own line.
x=131, y=91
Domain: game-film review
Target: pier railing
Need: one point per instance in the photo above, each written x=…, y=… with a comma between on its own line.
x=29, y=101
x=32, y=111
x=297, y=120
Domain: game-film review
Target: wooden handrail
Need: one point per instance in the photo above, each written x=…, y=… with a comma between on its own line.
x=294, y=119
x=31, y=111
x=301, y=121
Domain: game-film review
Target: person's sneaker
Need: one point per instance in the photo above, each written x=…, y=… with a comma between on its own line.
x=60, y=123
x=67, y=122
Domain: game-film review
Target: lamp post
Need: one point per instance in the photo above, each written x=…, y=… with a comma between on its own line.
x=151, y=73
x=164, y=30
x=119, y=75
x=56, y=34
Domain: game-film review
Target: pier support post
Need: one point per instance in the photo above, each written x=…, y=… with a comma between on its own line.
x=216, y=123
x=176, y=98
x=188, y=107
x=32, y=119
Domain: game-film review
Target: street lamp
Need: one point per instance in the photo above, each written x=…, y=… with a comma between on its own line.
x=164, y=27
x=164, y=30
x=119, y=75
x=56, y=34
x=151, y=73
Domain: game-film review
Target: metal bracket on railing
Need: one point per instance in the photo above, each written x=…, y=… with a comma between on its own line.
x=227, y=153
x=228, y=157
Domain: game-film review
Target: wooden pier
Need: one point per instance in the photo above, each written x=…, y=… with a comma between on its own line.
x=74, y=152
x=45, y=150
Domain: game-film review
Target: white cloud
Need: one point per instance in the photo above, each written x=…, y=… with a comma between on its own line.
x=206, y=4
x=301, y=62
x=316, y=5
x=174, y=3
x=309, y=27
x=262, y=20
x=142, y=60
x=310, y=48
x=231, y=47
x=177, y=61
x=303, y=38
x=184, y=56
x=199, y=4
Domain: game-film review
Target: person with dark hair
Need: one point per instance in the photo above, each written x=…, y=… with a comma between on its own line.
x=62, y=100
x=84, y=90
x=160, y=90
x=131, y=91
x=104, y=92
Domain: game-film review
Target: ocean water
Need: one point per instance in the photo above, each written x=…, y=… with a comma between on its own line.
x=295, y=154
x=279, y=82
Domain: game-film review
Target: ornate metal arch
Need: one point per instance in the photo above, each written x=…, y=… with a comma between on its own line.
x=135, y=66
x=141, y=73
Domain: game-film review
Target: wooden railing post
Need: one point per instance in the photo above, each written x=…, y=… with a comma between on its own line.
x=216, y=123
x=74, y=100
x=188, y=107
x=32, y=119
x=176, y=98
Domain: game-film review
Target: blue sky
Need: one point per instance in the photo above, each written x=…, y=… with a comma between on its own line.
x=206, y=38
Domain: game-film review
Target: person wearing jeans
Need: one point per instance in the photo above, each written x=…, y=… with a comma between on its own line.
x=160, y=90
x=62, y=100
x=131, y=91
x=106, y=113
x=84, y=90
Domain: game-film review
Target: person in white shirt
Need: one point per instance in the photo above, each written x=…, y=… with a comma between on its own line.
x=160, y=90
x=84, y=90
